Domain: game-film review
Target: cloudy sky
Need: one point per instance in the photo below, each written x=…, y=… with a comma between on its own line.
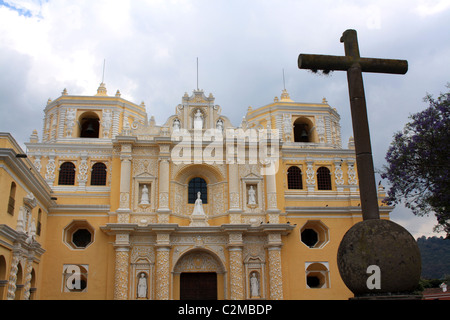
x=151, y=47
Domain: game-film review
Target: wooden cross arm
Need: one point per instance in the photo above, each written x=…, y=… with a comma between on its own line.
x=343, y=63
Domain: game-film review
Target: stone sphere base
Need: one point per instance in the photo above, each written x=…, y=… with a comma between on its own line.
x=379, y=256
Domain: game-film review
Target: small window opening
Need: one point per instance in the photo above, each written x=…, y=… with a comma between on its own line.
x=310, y=237
x=81, y=238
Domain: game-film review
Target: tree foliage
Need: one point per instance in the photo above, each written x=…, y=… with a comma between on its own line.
x=418, y=163
x=435, y=254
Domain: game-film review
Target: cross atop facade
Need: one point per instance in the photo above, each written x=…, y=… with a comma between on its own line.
x=355, y=65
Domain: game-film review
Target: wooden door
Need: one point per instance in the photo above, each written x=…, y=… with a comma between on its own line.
x=198, y=286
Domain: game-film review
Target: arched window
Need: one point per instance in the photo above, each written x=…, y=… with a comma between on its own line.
x=196, y=185
x=323, y=179
x=67, y=174
x=301, y=131
x=294, y=177
x=90, y=126
x=98, y=174
x=12, y=198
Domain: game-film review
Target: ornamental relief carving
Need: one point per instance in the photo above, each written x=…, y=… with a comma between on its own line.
x=236, y=275
x=352, y=180
x=124, y=200
x=83, y=171
x=179, y=198
x=146, y=151
x=121, y=275
x=254, y=247
x=149, y=166
x=310, y=174
x=143, y=252
x=198, y=261
x=253, y=219
x=339, y=175
x=143, y=220
x=275, y=275
x=177, y=168
x=219, y=200
x=162, y=274
x=50, y=174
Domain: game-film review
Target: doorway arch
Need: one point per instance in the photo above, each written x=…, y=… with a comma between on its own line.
x=199, y=274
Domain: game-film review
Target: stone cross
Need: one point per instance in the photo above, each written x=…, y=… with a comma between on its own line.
x=355, y=65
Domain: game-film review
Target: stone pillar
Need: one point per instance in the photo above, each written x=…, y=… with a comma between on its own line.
x=310, y=177
x=27, y=284
x=162, y=266
x=272, y=207
x=233, y=185
x=163, y=204
x=11, y=294
x=82, y=170
x=275, y=272
x=122, y=248
x=125, y=176
x=50, y=170
x=236, y=266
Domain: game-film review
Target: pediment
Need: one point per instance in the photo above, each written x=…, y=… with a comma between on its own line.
x=145, y=175
x=252, y=176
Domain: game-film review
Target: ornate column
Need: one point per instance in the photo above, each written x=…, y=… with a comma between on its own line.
x=122, y=247
x=236, y=266
x=164, y=180
x=163, y=203
x=83, y=173
x=27, y=284
x=233, y=185
x=339, y=175
x=50, y=170
x=11, y=294
x=125, y=178
x=310, y=176
x=272, y=207
x=275, y=272
x=162, y=266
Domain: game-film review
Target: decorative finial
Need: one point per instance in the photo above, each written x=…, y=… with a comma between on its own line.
x=118, y=94
x=34, y=137
x=64, y=92
x=285, y=96
x=101, y=91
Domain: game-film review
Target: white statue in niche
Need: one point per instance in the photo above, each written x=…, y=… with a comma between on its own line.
x=144, y=195
x=254, y=286
x=142, y=286
x=219, y=125
x=198, y=120
x=251, y=196
x=176, y=125
x=198, y=207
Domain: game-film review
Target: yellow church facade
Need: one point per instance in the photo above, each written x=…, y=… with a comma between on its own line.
x=195, y=208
